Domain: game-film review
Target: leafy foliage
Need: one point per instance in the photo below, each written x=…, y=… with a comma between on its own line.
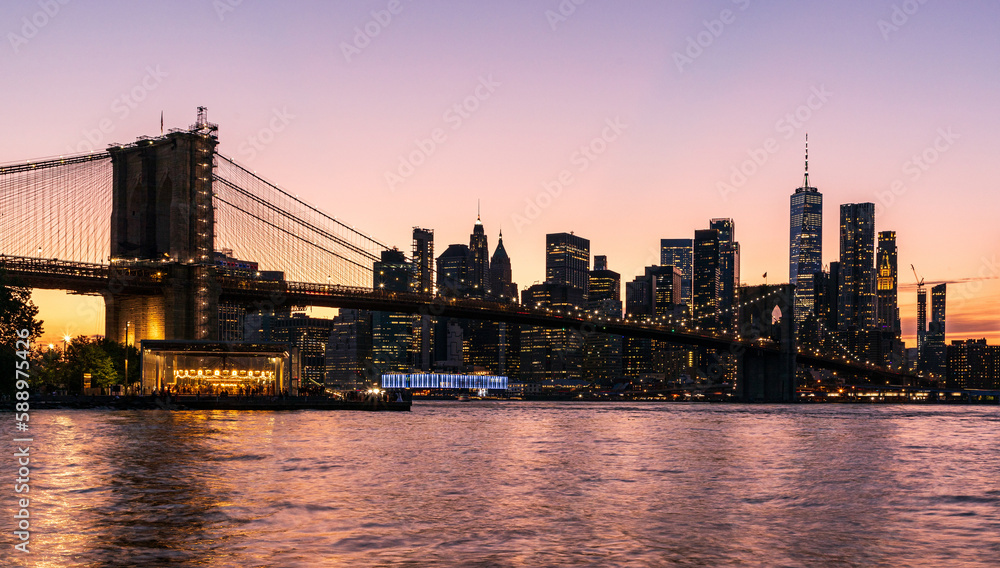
x=83, y=356
x=17, y=312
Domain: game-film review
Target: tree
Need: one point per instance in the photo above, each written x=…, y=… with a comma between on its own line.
x=83, y=355
x=17, y=312
x=48, y=371
x=117, y=352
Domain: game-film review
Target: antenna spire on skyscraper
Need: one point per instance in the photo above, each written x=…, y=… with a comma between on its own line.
x=806, y=182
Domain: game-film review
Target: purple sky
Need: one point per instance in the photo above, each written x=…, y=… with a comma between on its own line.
x=337, y=120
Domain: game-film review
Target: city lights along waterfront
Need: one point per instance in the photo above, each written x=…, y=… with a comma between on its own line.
x=517, y=484
x=514, y=284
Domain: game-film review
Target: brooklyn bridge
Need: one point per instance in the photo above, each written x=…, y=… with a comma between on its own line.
x=142, y=225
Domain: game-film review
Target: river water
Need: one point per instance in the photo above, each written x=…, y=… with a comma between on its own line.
x=514, y=484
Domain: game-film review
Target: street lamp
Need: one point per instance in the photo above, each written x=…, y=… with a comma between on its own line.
x=127, y=323
x=66, y=339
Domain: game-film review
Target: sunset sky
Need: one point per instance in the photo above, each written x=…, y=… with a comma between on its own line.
x=671, y=98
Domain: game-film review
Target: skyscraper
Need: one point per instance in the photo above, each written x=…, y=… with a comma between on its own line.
x=479, y=271
x=936, y=330
x=567, y=261
x=549, y=353
x=392, y=333
x=729, y=270
x=805, y=243
x=706, y=279
x=935, y=357
x=637, y=352
x=602, y=361
x=349, y=351
x=921, y=320
x=310, y=335
x=423, y=261
x=605, y=285
x=857, y=266
x=501, y=278
x=887, y=281
x=422, y=282
x=453, y=268
x=679, y=253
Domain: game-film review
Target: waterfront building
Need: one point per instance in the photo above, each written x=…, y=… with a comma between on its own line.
x=972, y=364
x=310, y=336
x=349, y=351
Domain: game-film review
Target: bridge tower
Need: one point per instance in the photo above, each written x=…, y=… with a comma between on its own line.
x=162, y=218
x=763, y=375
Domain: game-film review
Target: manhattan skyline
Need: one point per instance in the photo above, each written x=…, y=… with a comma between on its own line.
x=638, y=131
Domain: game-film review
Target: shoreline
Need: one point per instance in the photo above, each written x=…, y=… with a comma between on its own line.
x=188, y=402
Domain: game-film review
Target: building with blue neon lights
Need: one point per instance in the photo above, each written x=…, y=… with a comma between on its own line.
x=443, y=381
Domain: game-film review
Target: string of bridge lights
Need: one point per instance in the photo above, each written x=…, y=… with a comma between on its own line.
x=578, y=312
x=850, y=354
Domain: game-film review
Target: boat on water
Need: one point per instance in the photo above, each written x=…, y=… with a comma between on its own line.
x=463, y=398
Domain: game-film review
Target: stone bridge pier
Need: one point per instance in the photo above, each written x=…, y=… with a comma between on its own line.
x=765, y=375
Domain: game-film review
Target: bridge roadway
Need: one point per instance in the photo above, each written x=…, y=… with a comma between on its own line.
x=89, y=278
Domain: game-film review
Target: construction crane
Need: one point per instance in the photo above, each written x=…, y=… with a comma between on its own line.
x=920, y=281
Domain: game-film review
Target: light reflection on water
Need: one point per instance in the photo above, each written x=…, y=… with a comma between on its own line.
x=518, y=484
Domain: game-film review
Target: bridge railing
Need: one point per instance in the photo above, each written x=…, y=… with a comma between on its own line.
x=27, y=264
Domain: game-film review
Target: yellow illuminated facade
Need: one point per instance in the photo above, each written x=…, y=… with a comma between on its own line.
x=214, y=368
